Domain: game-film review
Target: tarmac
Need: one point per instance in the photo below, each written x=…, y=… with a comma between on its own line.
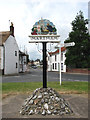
x=12, y=104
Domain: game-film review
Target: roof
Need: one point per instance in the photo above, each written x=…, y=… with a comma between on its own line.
x=22, y=53
x=4, y=36
x=57, y=51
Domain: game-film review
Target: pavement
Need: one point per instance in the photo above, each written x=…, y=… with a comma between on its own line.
x=12, y=104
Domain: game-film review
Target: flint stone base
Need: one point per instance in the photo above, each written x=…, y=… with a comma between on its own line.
x=45, y=101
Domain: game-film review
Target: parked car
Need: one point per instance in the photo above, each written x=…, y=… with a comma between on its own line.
x=34, y=66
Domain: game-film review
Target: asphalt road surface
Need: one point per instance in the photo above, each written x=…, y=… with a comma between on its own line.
x=36, y=75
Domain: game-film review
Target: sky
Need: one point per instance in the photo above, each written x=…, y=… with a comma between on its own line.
x=24, y=14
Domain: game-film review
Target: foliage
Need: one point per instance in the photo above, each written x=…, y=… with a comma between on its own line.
x=78, y=56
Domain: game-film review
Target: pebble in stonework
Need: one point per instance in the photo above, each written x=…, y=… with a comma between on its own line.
x=52, y=98
x=38, y=110
x=27, y=100
x=39, y=96
x=48, y=112
x=55, y=111
x=50, y=93
x=27, y=108
x=45, y=93
x=62, y=100
x=31, y=112
x=25, y=103
x=44, y=112
x=63, y=105
x=42, y=101
x=39, y=105
x=30, y=97
x=34, y=97
x=53, y=92
x=46, y=100
x=46, y=106
x=22, y=112
x=61, y=113
x=51, y=107
x=31, y=102
x=57, y=99
x=66, y=104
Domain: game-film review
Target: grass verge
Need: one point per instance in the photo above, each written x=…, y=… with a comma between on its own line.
x=26, y=87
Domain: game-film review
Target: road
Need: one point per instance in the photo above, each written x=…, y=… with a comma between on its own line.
x=36, y=75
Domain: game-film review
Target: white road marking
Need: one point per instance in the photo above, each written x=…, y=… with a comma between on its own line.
x=34, y=75
x=76, y=80
x=16, y=76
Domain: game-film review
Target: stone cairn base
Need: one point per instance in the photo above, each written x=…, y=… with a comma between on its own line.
x=45, y=101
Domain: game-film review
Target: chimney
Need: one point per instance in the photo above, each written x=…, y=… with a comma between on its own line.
x=12, y=29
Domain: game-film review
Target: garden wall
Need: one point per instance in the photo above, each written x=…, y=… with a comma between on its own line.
x=78, y=70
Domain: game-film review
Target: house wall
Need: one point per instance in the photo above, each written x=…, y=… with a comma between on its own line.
x=11, y=61
x=54, y=62
x=1, y=57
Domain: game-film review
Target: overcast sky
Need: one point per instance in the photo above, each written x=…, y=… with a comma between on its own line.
x=24, y=14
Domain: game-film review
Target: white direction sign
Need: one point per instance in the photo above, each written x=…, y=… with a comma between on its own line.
x=65, y=45
x=69, y=44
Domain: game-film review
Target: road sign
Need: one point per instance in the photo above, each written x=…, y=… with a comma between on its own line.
x=65, y=45
x=69, y=44
x=59, y=47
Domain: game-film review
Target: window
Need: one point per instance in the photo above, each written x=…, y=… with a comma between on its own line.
x=58, y=66
x=15, y=53
x=16, y=65
x=61, y=56
x=55, y=57
x=55, y=65
x=61, y=66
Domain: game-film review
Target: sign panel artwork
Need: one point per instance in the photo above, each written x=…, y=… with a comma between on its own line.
x=44, y=27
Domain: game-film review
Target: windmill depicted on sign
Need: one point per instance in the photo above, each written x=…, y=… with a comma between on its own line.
x=44, y=32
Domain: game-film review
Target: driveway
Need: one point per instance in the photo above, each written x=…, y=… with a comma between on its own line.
x=12, y=104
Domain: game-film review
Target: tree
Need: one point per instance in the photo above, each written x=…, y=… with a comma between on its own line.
x=78, y=56
x=37, y=60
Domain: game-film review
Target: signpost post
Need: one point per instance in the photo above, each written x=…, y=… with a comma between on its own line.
x=44, y=32
x=59, y=47
x=44, y=39
x=44, y=66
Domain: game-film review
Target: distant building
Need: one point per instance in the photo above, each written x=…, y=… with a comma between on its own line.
x=54, y=60
x=37, y=62
x=23, y=61
x=9, y=52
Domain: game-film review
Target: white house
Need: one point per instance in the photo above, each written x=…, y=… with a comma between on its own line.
x=9, y=52
x=1, y=57
x=54, y=60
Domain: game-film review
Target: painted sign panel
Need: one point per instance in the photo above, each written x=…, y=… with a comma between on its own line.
x=44, y=27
